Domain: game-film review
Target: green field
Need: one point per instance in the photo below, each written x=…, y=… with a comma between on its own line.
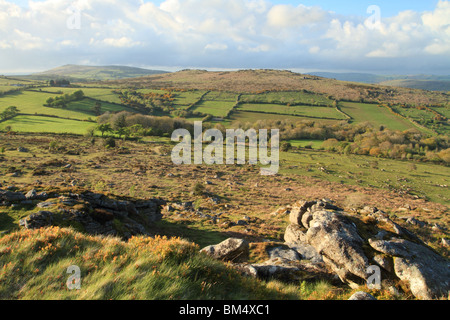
x=185, y=99
x=31, y=102
x=37, y=124
x=293, y=97
x=415, y=114
x=220, y=96
x=314, y=144
x=303, y=111
x=214, y=108
x=377, y=116
x=251, y=117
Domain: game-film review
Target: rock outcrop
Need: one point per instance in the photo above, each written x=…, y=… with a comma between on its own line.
x=348, y=245
x=89, y=212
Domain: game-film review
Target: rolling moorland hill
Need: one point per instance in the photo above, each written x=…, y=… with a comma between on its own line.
x=254, y=81
x=89, y=73
x=423, y=82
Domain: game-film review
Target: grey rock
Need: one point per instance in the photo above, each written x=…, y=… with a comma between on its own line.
x=337, y=240
x=445, y=242
x=291, y=271
x=361, y=295
x=10, y=196
x=283, y=253
x=296, y=214
x=416, y=222
x=384, y=262
x=232, y=249
x=37, y=220
x=307, y=252
x=242, y=223
x=31, y=195
x=294, y=234
x=46, y=204
x=426, y=272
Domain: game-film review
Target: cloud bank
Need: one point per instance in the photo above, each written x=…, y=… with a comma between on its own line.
x=220, y=34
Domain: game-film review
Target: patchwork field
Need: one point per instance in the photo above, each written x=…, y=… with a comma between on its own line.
x=301, y=111
x=376, y=115
x=41, y=124
x=214, y=108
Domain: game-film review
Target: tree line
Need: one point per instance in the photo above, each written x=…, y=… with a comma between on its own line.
x=62, y=101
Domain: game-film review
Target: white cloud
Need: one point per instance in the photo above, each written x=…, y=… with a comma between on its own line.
x=216, y=46
x=193, y=32
x=288, y=16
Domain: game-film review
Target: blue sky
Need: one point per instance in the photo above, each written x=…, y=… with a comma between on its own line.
x=351, y=7
x=409, y=37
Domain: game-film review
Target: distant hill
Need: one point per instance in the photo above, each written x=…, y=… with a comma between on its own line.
x=432, y=85
x=424, y=82
x=89, y=73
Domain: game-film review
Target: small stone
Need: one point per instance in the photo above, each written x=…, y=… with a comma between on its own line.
x=361, y=295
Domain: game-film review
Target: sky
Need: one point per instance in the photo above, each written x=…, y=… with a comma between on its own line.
x=376, y=36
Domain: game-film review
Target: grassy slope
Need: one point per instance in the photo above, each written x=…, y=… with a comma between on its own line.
x=433, y=85
x=39, y=124
x=35, y=263
x=363, y=112
x=94, y=72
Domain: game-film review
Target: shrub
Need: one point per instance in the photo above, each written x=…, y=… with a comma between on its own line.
x=198, y=189
x=110, y=143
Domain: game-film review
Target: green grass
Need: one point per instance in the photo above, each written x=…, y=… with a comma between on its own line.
x=315, y=144
x=220, y=96
x=377, y=116
x=421, y=179
x=35, y=264
x=294, y=97
x=31, y=102
x=303, y=111
x=251, y=117
x=214, y=108
x=185, y=99
x=37, y=124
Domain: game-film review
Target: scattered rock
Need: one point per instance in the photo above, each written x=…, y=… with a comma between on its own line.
x=242, y=223
x=10, y=196
x=361, y=295
x=37, y=220
x=32, y=194
x=232, y=249
x=46, y=204
x=416, y=222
